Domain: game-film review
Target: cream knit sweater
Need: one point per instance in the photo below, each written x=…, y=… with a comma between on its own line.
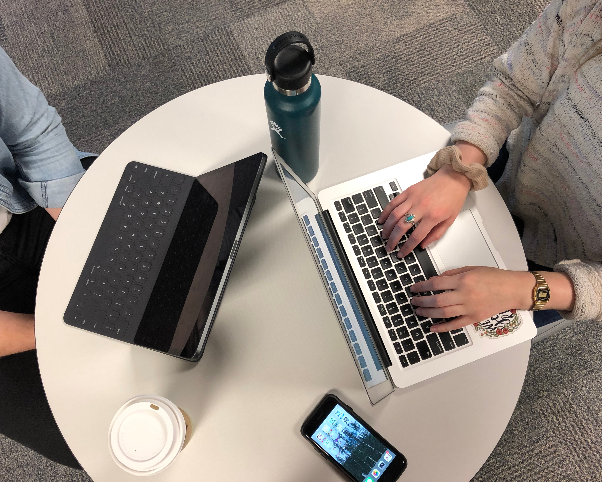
x=549, y=106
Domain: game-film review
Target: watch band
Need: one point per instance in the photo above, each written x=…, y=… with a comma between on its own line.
x=541, y=292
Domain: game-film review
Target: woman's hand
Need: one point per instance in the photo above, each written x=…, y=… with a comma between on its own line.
x=435, y=203
x=473, y=294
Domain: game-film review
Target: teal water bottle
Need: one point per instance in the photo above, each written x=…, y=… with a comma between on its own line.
x=292, y=100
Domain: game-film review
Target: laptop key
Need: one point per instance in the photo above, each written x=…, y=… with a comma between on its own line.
x=347, y=205
x=366, y=272
x=461, y=339
x=398, y=347
x=371, y=285
x=382, y=310
x=376, y=241
x=401, y=268
x=353, y=218
x=435, y=344
x=380, y=252
x=362, y=209
x=392, y=308
x=413, y=357
x=362, y=239
x=372, y=261
x=406, y=310
x=375, y=213
x=382, y=285
x=393, y=186
x=347, y=227
x=411, y=322
x=407, y=344
x=387, y=321
x=342, y=216
x=392, y=335
x=366, y=220
x=402, y=332
x=371, y=230
x=418, y=279
x=406, y=280
x=367, y=251
x=361, y=260
x=395, y=286
x=376, y=297
x=386, y=263
x=377, y=273
x=423, y=349
x=447, y=341
x=426, y=326
x=391, y=275
x=358, y=229
x=401, y=298
x=404, y=361
x=351, y=238
x=417, y=334
x=381, y=195
x=338, y=205
x=397, y=320
x=387, y=296
x=414, y=268
x=356, y=250
x=357, y=198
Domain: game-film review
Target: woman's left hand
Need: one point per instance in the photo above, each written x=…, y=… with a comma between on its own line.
x=472, y=294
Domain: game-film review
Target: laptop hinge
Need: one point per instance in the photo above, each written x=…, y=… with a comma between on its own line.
x=359, y=296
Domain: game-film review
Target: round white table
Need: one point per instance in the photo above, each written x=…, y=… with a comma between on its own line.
x=276, y=347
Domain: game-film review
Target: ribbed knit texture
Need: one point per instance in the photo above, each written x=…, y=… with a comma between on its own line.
x=550, y=109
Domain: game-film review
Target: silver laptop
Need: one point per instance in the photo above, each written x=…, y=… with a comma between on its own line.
x=369, y=289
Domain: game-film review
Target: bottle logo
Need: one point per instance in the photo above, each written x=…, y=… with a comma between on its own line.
x=276, y=128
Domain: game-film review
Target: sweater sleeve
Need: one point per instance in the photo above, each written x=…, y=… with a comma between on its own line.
x=522, y=75
x=587, y=282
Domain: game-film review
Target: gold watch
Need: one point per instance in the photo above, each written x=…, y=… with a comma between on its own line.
x=541, y=292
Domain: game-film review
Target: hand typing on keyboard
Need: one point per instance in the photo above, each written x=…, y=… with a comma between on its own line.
x=435, y=203
x=472, y=294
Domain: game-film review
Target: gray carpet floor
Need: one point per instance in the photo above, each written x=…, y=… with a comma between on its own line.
x=105, y=64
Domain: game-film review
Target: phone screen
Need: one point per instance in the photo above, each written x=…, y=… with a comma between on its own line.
x=353, y=446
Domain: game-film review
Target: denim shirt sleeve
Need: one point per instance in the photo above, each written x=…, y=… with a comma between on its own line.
x=47, y=165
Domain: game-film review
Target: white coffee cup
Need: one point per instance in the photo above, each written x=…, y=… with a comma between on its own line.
x=147, y=434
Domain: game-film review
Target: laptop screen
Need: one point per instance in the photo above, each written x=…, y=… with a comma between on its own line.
x=335, y=282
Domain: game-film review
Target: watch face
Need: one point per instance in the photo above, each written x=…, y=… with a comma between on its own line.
x=543, y=294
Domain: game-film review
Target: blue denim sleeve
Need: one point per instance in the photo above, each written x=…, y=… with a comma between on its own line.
x=47, y=163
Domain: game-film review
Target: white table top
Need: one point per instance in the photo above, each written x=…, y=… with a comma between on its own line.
x=276, y=347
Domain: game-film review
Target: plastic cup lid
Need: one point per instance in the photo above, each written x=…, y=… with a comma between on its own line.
x=146, y=434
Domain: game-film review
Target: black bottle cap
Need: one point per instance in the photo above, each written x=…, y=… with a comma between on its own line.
x=289, y=66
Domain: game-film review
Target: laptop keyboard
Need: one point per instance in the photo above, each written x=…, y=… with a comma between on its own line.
x=389, y=278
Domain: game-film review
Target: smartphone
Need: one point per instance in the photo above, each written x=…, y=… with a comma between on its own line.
x=350, y=444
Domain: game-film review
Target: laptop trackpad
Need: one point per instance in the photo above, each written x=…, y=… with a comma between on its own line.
x=462, y=245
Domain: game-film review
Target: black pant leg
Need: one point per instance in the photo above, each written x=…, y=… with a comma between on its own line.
x=25, y=415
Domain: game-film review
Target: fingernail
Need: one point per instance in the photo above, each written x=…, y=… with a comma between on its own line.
x=435, y=329
x=413, y=288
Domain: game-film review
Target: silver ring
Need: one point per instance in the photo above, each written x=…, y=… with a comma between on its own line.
x=410, y=219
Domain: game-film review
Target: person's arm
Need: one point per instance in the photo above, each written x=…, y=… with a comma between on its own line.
x=521, y=82
x=48, y=163
x=474, y=294
x=16, y=333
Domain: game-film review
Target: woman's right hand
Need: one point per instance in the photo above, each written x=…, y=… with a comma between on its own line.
x=435, y=202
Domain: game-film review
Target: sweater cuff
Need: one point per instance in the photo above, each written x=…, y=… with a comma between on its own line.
x=470, y=132
x=587, y=282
